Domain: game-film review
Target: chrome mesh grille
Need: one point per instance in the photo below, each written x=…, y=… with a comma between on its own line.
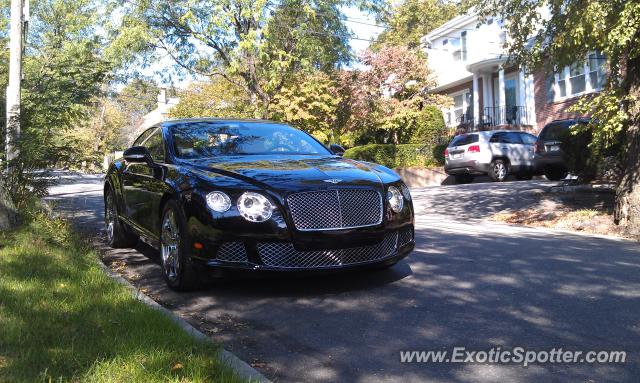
x=405, y=236
x=283, y=254
x=232, y=252
x=335, y=209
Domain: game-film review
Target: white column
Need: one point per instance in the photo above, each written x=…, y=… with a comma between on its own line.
x=502, y=102
x=531, y=101
x=476, y=100
x=487, y=90
x=522, y=95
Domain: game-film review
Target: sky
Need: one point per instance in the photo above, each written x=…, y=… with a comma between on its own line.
x=361, y=25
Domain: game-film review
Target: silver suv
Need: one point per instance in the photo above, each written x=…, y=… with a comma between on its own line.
x=497, y=153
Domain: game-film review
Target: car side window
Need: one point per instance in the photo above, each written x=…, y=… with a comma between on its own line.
x=155, y=146
x=528, y=139
x=496, y=138
x=143, y=137
x=511, y=138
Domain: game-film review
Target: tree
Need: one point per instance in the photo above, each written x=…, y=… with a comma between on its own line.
x=410, y=20
x=569, y=30
x=311, y=105
x=214, y=98
x=393, y=91
x=64, y=73
x=256, y=45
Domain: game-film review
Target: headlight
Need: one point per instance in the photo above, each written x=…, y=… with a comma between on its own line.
x=405, y=192
x=218, y=201
x=254, y=207
x=396, y=202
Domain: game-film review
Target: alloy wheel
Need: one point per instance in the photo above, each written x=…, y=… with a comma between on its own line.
x=500, y=170
x=109, y=217
x=170, y=241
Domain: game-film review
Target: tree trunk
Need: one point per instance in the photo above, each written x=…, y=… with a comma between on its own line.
x=627, y=210
x=8, y=212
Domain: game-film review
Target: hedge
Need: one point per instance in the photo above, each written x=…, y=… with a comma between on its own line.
x=393, y=156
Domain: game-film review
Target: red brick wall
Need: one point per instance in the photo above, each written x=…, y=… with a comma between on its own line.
x=549, y=111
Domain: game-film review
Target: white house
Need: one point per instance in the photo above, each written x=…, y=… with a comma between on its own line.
x=470, y=64
x=160, y=113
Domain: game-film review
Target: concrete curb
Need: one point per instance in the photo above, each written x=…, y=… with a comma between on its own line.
x=241, y=368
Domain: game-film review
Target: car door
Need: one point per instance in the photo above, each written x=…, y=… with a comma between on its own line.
x=515, y=148
x=142, y=182
x=498, y=148
x=529, y=142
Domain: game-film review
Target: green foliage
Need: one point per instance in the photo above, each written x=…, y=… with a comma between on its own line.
x=259, y=46
x=216, y=98
x=410, y=20
x=438, y=153
x=64, y=75
x=64, y=320
x=392, y=156
x=311, y=105
x=420, y=126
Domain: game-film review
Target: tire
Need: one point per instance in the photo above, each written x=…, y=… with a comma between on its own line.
x=178, y=269
x=118, y=234
x=464, y=178
x=524, y=177
x=556, y=173
x=498, y=170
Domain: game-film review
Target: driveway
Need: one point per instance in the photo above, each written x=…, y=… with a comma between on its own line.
x=469, y=283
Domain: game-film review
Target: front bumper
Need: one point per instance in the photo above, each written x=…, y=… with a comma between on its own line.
x=269, y=255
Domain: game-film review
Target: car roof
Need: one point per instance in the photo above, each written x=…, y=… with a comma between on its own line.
x=487, y=132
x=175, y=121
x=578, y=119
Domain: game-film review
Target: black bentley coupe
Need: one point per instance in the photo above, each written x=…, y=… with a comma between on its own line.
x=215, y=194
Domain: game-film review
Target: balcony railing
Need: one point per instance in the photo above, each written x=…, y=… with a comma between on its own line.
x=504, y=115
x=495, y=116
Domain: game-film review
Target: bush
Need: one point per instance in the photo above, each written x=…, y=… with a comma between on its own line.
x=584, y=158
x=438, y=153
x=393, y=156
x=428, y=127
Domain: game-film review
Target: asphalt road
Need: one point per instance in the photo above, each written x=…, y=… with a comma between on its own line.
x=468, y=284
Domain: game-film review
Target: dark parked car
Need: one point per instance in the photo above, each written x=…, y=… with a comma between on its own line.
x=253, y=195
x=549, y=158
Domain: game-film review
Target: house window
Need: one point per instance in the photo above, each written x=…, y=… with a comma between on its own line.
x=456, y=51
x=596, y=70
x=463, y=43
x=579, y=78
x=461, y=109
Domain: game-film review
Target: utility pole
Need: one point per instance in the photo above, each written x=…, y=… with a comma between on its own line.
x=15, y=78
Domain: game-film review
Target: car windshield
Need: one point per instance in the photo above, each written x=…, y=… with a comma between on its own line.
x=464, y=139
x=556, y=132
x=210, y=139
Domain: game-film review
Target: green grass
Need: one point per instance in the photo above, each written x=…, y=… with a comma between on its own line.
x=63, y=319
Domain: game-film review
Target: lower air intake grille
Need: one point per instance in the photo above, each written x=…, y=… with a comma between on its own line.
x=405, y=237
x=232, y=252
x=283, y=254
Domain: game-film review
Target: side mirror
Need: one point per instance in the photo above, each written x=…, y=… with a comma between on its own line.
x=137, y=154
x=337, y=149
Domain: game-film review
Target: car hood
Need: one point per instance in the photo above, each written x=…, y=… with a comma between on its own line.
x=295, y=173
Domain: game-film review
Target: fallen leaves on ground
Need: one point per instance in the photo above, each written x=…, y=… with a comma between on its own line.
x=582, y=220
